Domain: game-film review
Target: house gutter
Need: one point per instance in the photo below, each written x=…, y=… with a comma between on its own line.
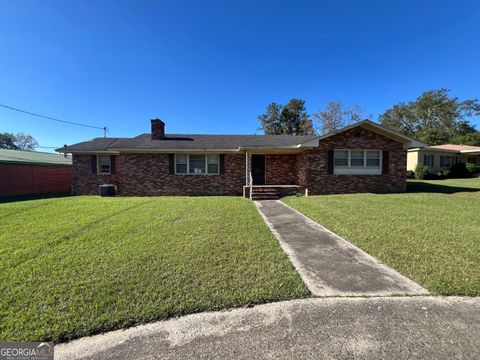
x=470, y=152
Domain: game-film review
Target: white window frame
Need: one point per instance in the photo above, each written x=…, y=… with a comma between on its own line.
x=206, y=165
x=99, y=172
x=356, y=170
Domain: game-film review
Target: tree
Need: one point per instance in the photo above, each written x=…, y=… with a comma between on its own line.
x=25, y=142
x=271, y=121
x=17, y=141
x=472, y=138
x=433, y=118
x=336, y=116
x=7, y=141
x=290, y=119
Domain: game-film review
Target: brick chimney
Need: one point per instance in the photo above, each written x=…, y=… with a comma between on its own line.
x=158, y=129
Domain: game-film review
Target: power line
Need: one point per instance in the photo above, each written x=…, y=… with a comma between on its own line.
x=54, y=119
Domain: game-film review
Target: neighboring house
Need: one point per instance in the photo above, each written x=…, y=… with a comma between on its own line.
x=442, y=157
x=365, y=157
x=31, y=172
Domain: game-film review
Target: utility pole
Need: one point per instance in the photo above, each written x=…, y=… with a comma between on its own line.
x=105, y=132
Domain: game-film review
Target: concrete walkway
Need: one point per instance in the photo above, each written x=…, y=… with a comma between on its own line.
x=328, y=264
x=322, y=328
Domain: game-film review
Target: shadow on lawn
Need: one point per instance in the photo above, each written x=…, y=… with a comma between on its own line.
x=416, y=187
x=7, y=199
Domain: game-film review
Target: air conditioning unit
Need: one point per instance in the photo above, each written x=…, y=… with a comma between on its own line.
x=107, y=190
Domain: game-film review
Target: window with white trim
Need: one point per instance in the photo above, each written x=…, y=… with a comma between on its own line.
x=197, y=164
x=341, y=159
x=373, y=159
x=181, y=163
x=357, y=162
x=104, y=165
x=428, y=160
x=357, y=159
x=212, y=164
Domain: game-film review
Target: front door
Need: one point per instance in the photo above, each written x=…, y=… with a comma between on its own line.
x=258, y=169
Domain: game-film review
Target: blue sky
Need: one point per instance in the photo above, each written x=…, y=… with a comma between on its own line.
x=213, y=66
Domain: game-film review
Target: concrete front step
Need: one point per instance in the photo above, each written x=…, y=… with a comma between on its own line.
x=264, y=190
x=264, y=198
x=264, y=194
x=270, y=192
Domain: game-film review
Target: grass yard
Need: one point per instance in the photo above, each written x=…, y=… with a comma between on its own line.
x=430, y=234
x=76, y=266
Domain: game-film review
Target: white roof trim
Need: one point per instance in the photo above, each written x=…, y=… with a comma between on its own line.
x=293, y=148
x=430, y=149
x=310, y=143
x=451, y=151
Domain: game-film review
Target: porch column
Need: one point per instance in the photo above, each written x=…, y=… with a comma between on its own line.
x=248, y=166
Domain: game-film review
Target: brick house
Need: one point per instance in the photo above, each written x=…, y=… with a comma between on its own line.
x=33, y=173
x=364, y=157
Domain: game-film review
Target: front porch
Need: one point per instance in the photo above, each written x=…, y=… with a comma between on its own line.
x=272, y=192
x=269, y=176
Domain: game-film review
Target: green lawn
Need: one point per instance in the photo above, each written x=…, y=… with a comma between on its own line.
x=430, y=234
x=76, y=266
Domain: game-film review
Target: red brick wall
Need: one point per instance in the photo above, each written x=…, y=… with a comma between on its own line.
x=25, y=179
x=319, y=182
x=301, y=169
x=280, y=169
x=148, y=175
x=86, y=183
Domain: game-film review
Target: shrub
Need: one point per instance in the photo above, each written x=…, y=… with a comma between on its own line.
x=470, y=167
x=410, y=174
x=433, y=176
x=421, y=171
x=459, y=170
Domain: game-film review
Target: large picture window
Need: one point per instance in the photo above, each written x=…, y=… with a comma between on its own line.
x=194, y=164
x=357, y=162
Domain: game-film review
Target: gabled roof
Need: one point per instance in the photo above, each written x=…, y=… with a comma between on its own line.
x=370, y=125
x=33, y=157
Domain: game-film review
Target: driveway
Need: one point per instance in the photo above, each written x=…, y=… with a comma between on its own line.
x=322, y=328
x=328, y=264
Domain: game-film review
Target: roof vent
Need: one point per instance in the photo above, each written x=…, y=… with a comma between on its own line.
x=158, y=129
